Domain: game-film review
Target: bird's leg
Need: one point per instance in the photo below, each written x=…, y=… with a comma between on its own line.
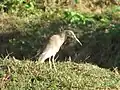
x=53, y=61
x=50, y=63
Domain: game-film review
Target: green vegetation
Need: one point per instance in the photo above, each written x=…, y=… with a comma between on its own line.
x=27, y=74
x=26, y=25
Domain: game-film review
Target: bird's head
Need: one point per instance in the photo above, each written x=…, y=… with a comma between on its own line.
x=70, y=33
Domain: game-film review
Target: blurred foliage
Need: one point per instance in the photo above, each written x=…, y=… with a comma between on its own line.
x=18, y=7
x=37, y=20
x=77, y=18
x=29, y=7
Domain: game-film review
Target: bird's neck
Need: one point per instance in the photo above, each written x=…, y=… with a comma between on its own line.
x=63, y=35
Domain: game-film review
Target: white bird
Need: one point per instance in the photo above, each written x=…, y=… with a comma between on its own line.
x=53, y=46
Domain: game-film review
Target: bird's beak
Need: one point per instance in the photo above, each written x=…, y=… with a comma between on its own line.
x=79, y=42
x=74, y=36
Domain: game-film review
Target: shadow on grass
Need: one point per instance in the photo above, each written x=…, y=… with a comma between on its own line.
x=100, y=48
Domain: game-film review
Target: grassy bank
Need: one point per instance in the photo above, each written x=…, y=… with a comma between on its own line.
x=24, y=75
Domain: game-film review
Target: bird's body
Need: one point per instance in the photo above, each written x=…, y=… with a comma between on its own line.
x=53, y=46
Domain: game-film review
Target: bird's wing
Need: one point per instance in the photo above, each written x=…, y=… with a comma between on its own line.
x=44, y=56
x=47, y=52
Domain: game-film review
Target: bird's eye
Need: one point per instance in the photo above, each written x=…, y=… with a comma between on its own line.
x=69, y=34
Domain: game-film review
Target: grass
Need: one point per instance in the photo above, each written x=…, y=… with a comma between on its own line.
x=28, y=75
